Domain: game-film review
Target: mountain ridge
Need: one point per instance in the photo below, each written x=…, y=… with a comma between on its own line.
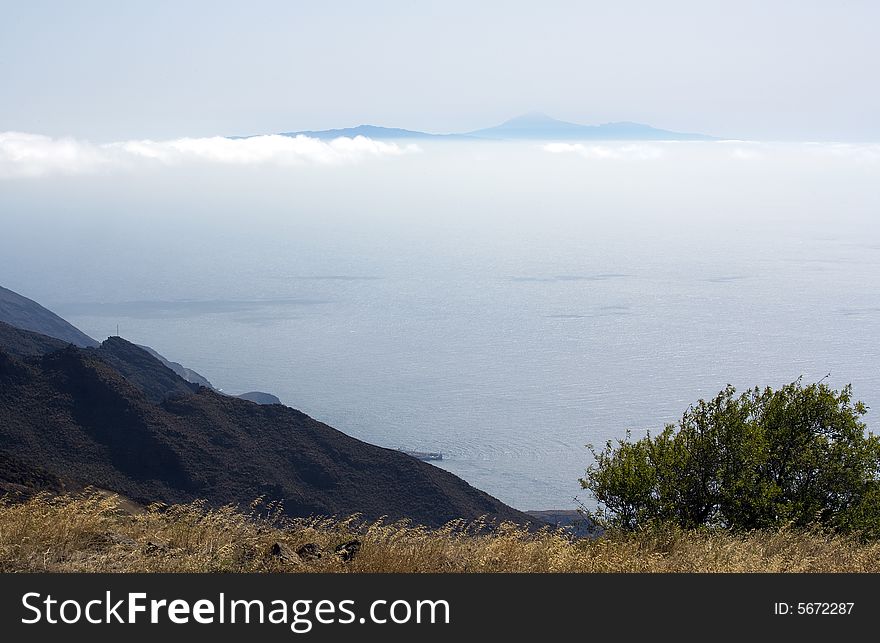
x=529, y=126
x=371, y=131
x=539, y=126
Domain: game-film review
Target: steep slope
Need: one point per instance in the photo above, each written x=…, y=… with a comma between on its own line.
x=155, y=380
x=19, y=479
x=257, y=397
x=25, y=313
x=23, y=343
x=21, y=310
x=186, y=373
x=72, y=414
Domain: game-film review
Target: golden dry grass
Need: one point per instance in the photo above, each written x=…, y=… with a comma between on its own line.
x=95, y=532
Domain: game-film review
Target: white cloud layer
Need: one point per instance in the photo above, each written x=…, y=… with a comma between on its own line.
x=628, y=151
x=34, y=155
x=860, y=152
x=714, y=150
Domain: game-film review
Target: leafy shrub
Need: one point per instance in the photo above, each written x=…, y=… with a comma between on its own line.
x=798, y=456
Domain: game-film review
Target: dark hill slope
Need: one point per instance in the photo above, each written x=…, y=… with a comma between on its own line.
x=19, y=479
x=151, y=376
x=27, y=314
x=22, y=343
x=186, y=373
x=75, y=416
x=71, y=414
x=141, y=369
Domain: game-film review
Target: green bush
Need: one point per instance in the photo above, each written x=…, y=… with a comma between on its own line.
x=797, y=456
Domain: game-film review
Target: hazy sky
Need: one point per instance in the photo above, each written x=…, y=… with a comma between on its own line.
x=768, y=69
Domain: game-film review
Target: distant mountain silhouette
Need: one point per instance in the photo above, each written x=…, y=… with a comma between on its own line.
x=537, y=126
x=371, y=131
x=25, y=313
x=531, y=126
x=115, y=417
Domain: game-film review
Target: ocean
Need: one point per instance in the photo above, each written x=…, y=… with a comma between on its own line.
x=502, y=303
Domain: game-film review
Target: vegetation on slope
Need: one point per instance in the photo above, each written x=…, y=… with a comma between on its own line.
x=92, y=533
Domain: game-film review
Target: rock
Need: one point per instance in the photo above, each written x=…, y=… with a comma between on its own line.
x=154, y=549
x=108, y=539
x=120, y=539
x=347, y=551
x=310, y=551
x=283, y=553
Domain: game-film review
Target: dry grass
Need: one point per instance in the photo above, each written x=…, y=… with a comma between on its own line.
x=97, y=533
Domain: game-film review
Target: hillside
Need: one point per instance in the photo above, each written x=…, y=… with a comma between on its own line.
x=23, y=343
x=186, y=373
x=25, y=313
x=154, y=379
x=116, y=418
x=20, y=312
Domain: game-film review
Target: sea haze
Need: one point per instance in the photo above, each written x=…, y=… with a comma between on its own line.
x=503, y=303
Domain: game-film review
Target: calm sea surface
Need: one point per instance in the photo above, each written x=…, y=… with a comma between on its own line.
x=501, y=304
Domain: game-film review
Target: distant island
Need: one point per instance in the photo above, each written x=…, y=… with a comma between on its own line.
x=531, y=126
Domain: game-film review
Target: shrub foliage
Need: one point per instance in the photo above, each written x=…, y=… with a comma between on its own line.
x=798, y=456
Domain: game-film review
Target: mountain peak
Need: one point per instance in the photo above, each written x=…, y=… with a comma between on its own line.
x=535, y=121
x=540, y=126
x=531, y=118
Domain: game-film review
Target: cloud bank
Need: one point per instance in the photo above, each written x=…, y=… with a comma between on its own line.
x=25, y=155
x=628, y=151
x=860, y=152
x=709, y=150
x=34, y=155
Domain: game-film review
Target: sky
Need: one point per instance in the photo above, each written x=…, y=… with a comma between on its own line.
x=763, y=70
